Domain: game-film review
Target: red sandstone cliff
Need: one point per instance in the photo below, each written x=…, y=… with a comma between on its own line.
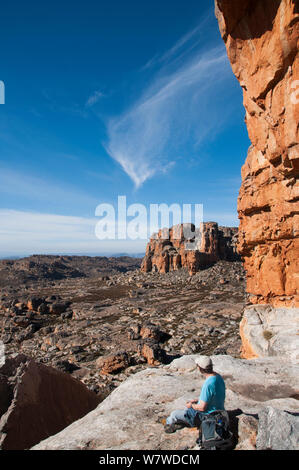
x=261, y=38
x=168, y=250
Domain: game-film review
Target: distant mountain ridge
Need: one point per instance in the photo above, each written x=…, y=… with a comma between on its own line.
x=52, y=267
x=92, y=255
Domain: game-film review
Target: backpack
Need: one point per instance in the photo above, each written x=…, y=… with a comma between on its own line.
x=215, y=433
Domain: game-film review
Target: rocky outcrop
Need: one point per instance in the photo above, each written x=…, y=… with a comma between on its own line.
x=37, y=401
x=132, y=416
x=261, y=38
x=184, y=246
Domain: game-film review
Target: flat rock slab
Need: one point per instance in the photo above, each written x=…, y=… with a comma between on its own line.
x=132, y=416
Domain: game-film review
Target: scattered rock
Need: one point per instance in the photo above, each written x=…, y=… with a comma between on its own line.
x=191, y=346
x=34, y=303
x=247, y=432
x=43, y=309
x=58, y=308
x=113, y=363
x=152, y=352
x=150, y=331
x=137, y=310
x=100, y=318
x=134, y=332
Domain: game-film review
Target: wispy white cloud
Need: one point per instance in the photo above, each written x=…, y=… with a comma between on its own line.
x=94, y=98
x=184, y=45
x=25, y=232
x=36, y=224
x=176, y=111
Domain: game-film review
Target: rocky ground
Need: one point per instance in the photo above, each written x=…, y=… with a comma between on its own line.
x=102, y=325
x=260, y=399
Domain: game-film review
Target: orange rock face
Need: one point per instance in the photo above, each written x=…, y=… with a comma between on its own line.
x=261, y=38
x=171, y=250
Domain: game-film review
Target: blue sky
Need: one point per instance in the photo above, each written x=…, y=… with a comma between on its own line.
x=113, y=98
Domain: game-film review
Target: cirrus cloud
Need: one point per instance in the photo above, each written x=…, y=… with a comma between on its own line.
x=175, y=112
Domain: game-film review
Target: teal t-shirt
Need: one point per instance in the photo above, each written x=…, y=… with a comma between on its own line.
x=213, y=392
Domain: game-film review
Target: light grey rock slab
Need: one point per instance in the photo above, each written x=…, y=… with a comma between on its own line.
x=130, y=418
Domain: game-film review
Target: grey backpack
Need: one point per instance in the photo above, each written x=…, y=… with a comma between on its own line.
x=215, y=433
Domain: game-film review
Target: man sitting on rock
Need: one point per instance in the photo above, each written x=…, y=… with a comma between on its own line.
x=211, y=398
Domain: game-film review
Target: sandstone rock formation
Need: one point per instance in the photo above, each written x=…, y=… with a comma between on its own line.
x=261, y=38
x=132, y=416
x=169, y=250
x=37, y=401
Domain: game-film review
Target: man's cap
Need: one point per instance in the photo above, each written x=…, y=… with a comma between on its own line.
x=204, y=362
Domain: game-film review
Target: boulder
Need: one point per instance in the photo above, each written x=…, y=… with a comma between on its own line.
x=38, y=401
x=278, y=430
x=152, y=352
x=113, y=363
x=247, y=432
x=58, y=308
x=134, y=332
x=43, y=309
x=151, y=331
x=191, y=346
x=34, y=302
x=270, y=331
